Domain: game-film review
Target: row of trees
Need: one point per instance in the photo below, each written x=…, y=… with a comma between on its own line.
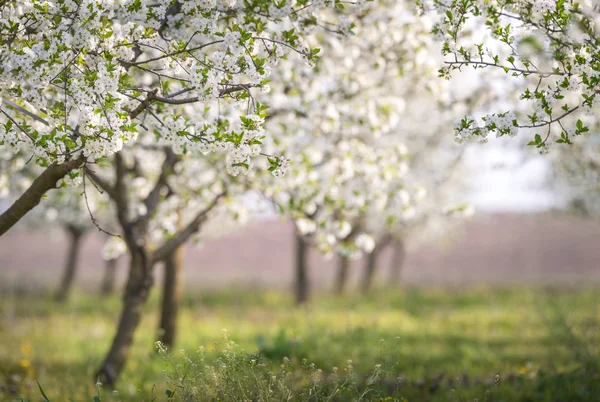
x=152, y=117
x=152, y=107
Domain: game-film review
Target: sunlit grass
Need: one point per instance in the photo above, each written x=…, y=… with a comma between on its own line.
x=523, y=335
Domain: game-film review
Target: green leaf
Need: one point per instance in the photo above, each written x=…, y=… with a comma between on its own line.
x=43, y=393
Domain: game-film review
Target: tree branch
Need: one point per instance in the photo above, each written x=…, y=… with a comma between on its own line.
x=33, y=195
x=24, y=111
x=101, y=183
x=143, y=105
x=47, y=180
x=120, y=192
x=183, y=236
x=153, y=198
x=226, y=91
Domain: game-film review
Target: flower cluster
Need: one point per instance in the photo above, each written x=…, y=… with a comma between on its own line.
x=499, y=123
x=349, y=176
x=83, y=77
x=549, y=47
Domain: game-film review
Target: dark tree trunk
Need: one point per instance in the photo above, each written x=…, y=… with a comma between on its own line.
x=136, y=294
x=342, y=275
x=369, y=270
x=398, y=257
x=301, y=284
x=172, y=293
x=141, y=262
x=110, y=277
x=75, y=237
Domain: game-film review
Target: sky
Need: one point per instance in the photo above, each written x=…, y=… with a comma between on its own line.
x=510, y=178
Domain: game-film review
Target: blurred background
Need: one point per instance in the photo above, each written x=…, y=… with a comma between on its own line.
x=522, y=232
x=503, y=306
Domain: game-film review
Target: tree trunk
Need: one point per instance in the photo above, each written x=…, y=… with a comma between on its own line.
x=398, y=257
x=110, y=276
x=369, y=270
x=136, y=294
x=301, y=285
x=75, y=237
x=33, y=195
x=342, y=275
x=172, y=293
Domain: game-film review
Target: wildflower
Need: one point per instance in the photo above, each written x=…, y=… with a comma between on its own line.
x=26, y=349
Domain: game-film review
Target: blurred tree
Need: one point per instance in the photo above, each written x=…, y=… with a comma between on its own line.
x=110, y=277
x=347, y=154
x=226, y=219
x=397, y=261
x=372, y=259
x=302, y=280
x=61, y=209
x=171, y=296
x=75, y=236
x=341, y=277
x=114, y=247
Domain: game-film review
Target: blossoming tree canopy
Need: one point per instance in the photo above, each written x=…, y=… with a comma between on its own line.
x=347, y=153
x=550, y=46
x=78, y=79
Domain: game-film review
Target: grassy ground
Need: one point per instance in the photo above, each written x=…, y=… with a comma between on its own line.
x=432, y=345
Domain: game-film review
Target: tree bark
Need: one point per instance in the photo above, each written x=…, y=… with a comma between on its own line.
x=172, y=293
x=342, y=275
x=369, y=269
x=110, y=276
x=398, y=258
x=140, y=278
x=136, y=294
x=33, y=195
x=75, y=237
x=301, y=284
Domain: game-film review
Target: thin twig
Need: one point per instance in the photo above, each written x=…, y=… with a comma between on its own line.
x=87, y=204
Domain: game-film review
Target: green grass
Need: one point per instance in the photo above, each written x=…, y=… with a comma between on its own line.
x=543, y=343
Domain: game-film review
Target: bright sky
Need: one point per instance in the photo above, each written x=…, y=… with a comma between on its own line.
x=512, y=178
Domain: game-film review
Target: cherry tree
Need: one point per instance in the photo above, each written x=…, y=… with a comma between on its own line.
x=436, y=214
x=438, y=176
x=162, y=200
x=71, y=211
x=370, y=95
x=347, y=154
x=87, y=83
x=79, y=79
x=227, y=218
x=62, y=209
x=114, y=247
x=548, y=47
